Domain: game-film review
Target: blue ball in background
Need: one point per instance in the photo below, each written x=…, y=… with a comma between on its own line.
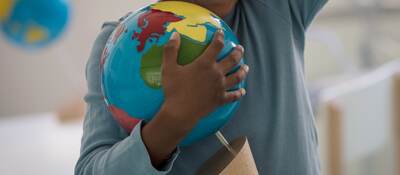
x=33, y=24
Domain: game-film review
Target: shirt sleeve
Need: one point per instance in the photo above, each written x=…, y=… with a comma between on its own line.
x=106, y=148
x=305, y=10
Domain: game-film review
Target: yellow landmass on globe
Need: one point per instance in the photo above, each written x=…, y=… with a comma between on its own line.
x=194, y=15
x=5, y=9
x=35, y=34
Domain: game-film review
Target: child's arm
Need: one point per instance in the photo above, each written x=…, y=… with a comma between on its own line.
x=106, y=148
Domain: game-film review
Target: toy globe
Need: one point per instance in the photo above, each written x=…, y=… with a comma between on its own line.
x=33, y=23
x=131, y=62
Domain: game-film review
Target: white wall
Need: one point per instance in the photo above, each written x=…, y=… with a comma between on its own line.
x=43, y=80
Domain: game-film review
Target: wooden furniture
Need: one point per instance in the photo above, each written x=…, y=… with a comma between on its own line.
x=72, y=111
x=359, y=125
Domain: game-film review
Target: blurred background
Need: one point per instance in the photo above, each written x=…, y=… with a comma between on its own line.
x=351, y=61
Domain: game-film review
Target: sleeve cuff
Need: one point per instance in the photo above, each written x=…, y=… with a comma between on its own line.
x=137, y=136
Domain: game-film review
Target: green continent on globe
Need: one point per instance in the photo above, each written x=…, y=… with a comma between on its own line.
x=150, y=68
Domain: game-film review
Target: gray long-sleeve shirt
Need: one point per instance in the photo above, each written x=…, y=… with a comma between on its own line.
x=275, y=114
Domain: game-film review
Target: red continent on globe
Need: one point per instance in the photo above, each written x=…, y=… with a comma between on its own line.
x=127, y=122
x=118, y=31
x=103, y=57
x=152, y=24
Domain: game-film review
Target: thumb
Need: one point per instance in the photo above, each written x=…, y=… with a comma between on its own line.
x=170, y=55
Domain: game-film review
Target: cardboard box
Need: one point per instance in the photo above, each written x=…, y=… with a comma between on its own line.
x=224, y=162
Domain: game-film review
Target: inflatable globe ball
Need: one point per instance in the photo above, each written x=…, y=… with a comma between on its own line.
x=131, y=62
x=33, y=23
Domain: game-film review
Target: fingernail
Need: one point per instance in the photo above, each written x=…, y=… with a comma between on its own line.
x=242, y=92
x=174, y=36
x=246, y=68
x=220, y=32
x=241, y=48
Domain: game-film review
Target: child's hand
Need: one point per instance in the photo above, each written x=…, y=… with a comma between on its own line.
x=191, y=92
x=194, y=90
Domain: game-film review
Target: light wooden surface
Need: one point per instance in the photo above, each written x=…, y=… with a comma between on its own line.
x=335, y=139
x=396, y=119
x=72, y=111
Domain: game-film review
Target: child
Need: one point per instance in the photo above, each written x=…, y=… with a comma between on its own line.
x=275, y=114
